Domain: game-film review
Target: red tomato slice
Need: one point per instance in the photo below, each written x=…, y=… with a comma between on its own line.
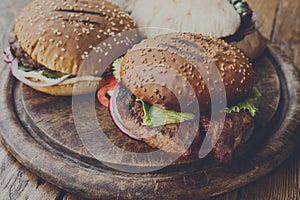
x=101, y=94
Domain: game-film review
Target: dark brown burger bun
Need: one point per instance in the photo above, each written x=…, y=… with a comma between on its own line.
x=145, y=70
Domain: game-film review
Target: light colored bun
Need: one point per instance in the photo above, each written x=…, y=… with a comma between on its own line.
x=79, y=88
x=216, y=18
x=158, y=70
x=60, y=34
x=252, y=45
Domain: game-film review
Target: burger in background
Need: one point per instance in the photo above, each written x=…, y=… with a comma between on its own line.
x=53, y=40
x=230, y=20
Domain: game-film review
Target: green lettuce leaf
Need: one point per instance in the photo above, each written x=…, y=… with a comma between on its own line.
x=250, y=104
x=24, y=69
x=116, y=68
x=52, y=74
x=241, y=7
x=47, y=73
x=155, y=116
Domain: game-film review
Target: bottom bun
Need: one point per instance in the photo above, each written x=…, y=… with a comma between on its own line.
x=82, y=87
x=253, y=45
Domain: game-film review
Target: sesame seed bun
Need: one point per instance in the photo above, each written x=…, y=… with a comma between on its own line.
x=60, y=34
x=158, y=69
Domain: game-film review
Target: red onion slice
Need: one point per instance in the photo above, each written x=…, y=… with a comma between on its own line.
x=37, y=75
x=7, y=56
x=116, y=117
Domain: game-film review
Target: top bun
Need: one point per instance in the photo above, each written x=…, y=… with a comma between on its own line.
x=60, y=34
x=159, y=70
x=216, y=18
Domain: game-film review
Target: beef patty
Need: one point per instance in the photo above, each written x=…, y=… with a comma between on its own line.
x=23, y=58
x=173, y=139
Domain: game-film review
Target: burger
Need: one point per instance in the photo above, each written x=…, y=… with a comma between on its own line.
x=230, y=20
x=164, y=90
x=52, y=41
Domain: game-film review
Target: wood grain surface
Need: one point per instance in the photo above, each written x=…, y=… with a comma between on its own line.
x=279, y=22
x=39, y=131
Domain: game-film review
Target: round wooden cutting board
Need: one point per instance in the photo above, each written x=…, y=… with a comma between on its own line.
x=42, y=132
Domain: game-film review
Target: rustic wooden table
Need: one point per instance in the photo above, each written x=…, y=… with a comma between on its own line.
x=279, y=22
